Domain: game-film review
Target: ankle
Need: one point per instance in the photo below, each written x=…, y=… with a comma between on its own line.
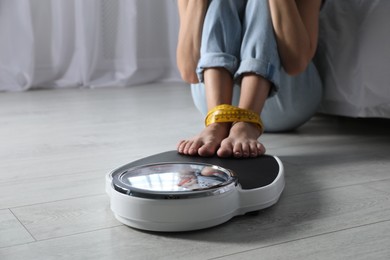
x=220, y=126
x=246, y=127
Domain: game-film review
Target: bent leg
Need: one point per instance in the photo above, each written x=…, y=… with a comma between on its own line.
x=208, y=140
x=242, y=140
x=219, y=51
x=293, y=100
x=258, y=73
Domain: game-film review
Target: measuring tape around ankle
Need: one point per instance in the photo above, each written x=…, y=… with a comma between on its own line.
x=231, y=114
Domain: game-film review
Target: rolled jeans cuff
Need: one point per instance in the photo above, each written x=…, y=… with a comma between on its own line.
x=262, y=68
x=216, y=60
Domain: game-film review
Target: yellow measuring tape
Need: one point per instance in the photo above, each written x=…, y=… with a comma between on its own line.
x=227, y=113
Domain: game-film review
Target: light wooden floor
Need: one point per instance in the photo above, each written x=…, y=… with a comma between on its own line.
x=57, y=146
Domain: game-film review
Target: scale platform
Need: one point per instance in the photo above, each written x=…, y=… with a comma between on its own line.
x=170, y=192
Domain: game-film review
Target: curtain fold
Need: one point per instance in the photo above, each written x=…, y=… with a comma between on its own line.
x=353, y=58
x=86, y=43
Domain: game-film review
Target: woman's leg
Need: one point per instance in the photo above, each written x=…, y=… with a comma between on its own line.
x=219, y=51
x=296, y=99
x=258, y=73
x=242, y=140
x=219, y=84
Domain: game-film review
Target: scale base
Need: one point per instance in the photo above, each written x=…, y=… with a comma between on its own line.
x=260, y=184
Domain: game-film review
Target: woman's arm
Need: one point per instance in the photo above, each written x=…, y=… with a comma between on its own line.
x=296, y=28
x=191, y=14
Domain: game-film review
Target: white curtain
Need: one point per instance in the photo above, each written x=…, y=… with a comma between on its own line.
x=91, y=43
x=354, y=58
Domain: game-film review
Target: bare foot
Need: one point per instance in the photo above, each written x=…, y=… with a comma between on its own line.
x=242, y=142
x=207, y=142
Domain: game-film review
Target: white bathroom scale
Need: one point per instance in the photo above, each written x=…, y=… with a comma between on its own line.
x=170, y=192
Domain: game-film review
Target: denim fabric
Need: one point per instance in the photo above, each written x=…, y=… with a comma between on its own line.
x=238, y=35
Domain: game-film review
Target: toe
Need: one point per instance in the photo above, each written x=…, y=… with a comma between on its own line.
x=254, y=150
x=237, y=150
x=187, y=147
x=193, y=150
x=245, y=150
x=226, y=149
x=260, y=149
x=207, y=149
x=181, y=145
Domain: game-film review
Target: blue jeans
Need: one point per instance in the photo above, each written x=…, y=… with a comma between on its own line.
x=238, y=36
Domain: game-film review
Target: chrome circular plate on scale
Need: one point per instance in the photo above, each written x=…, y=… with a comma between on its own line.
x=170, y=192
x=174, y=181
